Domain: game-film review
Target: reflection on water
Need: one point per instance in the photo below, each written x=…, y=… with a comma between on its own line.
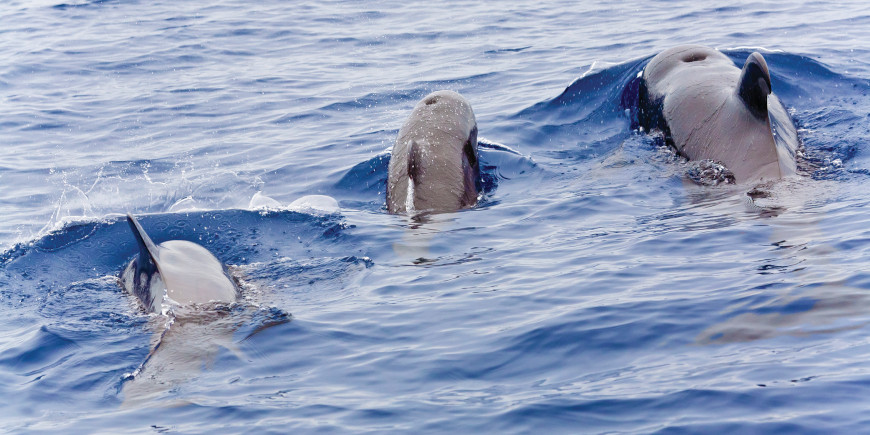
x=801, y=306
x=187, y=341
x=819, y=309
x=417, y=239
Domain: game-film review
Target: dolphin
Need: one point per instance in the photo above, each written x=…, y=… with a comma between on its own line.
x=434, y=163
x=180, y=275
x=708, y=109
x=181, y=271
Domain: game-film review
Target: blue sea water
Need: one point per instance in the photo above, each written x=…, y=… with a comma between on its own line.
x=594, y=289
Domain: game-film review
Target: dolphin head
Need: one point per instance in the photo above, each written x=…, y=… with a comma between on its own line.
x=183, y=271
x=434, y=164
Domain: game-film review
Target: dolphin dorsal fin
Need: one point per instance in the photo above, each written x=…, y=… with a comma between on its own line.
x=147, y=249
x=754, y=85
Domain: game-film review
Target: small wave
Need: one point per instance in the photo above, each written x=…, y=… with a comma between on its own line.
x=85, y=4
x=507, y=50
x=37, y=351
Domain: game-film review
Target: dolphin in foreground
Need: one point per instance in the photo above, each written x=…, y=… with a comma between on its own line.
x=182, y=271
x=708, y=109
x=434, y=163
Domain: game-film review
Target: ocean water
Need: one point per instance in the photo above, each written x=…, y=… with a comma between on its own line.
x=594, y=289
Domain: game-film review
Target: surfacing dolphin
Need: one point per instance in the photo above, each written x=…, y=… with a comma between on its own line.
x=434, y=164
x=708, y=109
x=185, y=271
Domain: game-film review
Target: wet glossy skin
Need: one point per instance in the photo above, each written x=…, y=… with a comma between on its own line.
x=187, y=273
x=433, y=167
x=710, y=109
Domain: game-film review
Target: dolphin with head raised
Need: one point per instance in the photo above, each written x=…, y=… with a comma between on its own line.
x=708, y=109
x=181, y=271
x=434, y=163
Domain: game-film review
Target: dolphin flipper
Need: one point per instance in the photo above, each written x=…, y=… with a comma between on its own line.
x=754, y=85
x=415, y=161
x=142, y=276
x=148, y=252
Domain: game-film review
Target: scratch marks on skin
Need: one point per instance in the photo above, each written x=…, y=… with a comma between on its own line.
x=699, y=127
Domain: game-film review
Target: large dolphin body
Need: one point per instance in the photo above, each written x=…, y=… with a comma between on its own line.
x=179, y=270
x=434, y=163
x=708, y=109
x=171, y=278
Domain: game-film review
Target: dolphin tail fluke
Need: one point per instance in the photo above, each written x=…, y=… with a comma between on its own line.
x=754, y=86
x=147, y=248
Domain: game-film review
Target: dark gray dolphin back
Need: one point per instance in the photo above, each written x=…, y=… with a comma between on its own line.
x=434, y=163
x=708, y=109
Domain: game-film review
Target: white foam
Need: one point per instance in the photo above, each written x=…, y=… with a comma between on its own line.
x=260, y=201
x=185, y=204
x=316, y=205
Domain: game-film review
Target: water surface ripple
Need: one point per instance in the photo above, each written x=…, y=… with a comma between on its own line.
x=595, y=289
